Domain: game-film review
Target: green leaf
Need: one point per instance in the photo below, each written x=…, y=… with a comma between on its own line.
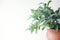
x=49, y=2
x=57, y=28
x=43, y=28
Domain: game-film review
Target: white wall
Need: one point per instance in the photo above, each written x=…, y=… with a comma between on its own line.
x=13, y=19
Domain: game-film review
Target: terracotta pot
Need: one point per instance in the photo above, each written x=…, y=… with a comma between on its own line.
x=53, y=34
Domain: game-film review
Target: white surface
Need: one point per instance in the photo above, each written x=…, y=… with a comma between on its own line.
x=13, y=19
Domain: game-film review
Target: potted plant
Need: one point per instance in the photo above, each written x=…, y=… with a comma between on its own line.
x=44, y=17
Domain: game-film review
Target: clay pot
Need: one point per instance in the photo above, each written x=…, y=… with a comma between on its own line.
x=53, y=34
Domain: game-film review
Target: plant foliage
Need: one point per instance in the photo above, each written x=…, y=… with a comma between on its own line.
x=44, y=17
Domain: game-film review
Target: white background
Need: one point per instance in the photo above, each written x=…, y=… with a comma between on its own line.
x=13, y=19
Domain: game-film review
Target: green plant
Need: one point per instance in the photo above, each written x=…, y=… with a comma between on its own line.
x=44, y=17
